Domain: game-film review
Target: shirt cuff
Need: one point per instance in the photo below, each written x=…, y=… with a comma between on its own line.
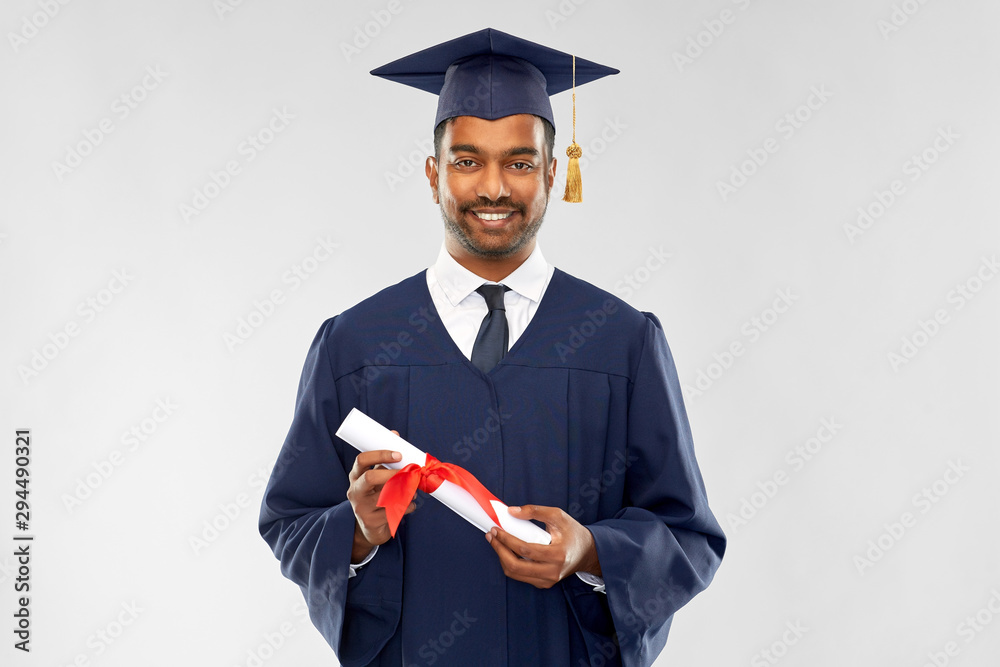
x=354, y=566
x=585, y=577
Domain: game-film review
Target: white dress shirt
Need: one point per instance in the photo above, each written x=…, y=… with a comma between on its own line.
x=462, y=309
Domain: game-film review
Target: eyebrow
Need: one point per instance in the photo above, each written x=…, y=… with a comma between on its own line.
x=517, y=150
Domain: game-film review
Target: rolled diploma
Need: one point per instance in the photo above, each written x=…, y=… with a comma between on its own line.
x=366, y=434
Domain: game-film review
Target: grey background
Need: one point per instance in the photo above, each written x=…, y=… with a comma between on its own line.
x=671, y=133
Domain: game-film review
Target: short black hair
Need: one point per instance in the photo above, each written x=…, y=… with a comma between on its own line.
x=550, y=136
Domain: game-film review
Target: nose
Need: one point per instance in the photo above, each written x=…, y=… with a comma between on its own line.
x=492, y=182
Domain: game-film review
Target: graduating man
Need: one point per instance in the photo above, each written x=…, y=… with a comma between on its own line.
x=559, y=397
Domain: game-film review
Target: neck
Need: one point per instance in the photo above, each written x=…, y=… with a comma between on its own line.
x=488, y=268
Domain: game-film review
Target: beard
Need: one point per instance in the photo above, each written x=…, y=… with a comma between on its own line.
x=492, y=243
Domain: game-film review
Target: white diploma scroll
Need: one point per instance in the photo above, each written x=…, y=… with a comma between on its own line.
x=366, y=434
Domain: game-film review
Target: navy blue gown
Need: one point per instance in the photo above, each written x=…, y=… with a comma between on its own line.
x=584, y=413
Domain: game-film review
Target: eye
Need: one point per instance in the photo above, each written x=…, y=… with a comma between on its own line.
x=520, y=166
x=465, y=163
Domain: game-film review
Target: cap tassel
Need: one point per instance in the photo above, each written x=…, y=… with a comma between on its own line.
x=574, y=182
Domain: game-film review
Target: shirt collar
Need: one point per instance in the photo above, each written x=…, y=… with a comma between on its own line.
x=458, y=282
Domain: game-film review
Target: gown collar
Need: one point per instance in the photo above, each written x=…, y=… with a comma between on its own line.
x=458, y=282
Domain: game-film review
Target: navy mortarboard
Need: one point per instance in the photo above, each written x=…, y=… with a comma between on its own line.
x=490, y=74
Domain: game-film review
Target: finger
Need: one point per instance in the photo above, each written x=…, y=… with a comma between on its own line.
x=522, y=549
x=366, y=460
x=537, y=512
x=507, y=557
x=376, y=521
x=540, y=575
x=371, y=481
x=555, y=519
x=377, y=456
x=536, y=581
x=365, y=491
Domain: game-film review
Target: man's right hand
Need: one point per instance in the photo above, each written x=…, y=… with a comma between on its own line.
x=371, y=527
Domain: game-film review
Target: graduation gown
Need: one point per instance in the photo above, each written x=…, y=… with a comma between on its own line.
x=584, y=413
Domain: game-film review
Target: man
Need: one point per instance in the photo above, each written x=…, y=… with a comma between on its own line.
x=559, y=397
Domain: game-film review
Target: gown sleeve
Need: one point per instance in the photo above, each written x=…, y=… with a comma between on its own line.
x=664, y=546
x=308, y=522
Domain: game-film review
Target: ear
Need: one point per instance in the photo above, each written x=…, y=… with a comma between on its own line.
x=431, y=170
x=552, y=172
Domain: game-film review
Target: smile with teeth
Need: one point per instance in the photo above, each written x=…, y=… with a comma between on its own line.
x=493, y=216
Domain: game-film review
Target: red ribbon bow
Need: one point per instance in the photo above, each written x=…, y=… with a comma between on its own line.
x=398, y=492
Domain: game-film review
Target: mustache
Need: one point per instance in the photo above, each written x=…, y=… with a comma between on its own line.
x=483, y=202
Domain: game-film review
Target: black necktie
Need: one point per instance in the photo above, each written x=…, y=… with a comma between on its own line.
x=491, y=343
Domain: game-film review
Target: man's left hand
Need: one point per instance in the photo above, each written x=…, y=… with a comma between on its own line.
x=544, y=565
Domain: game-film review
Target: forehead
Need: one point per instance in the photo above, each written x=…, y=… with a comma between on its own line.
x=519, y=130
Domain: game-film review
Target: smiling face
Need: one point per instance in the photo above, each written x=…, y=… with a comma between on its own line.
x=492, y=181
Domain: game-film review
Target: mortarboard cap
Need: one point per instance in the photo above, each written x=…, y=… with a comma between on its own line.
x=490, y=74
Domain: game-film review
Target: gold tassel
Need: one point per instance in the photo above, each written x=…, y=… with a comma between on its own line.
x=574, y=183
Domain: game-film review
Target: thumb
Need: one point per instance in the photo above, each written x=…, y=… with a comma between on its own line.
x=555, y=519
x=537, y=512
